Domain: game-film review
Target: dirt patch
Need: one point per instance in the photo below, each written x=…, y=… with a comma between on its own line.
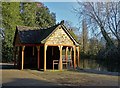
x=15, y=77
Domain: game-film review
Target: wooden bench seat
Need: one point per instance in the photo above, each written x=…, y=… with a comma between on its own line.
x=56, y=62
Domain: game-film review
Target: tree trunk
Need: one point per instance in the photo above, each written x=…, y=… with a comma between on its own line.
x=109, y=42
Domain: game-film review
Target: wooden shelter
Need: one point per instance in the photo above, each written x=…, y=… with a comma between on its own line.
x=42, y=48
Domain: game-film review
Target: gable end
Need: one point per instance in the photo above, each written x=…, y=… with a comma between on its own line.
x=59, y=36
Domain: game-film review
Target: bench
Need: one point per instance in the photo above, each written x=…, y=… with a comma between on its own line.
x=64, y=62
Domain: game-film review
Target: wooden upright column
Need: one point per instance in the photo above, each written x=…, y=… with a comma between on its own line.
x=14, y=55
x=71, y=57
x=18, y=56
x=78, y=56
x=60, y=61
x=23, y=48
x=66, y=54
x=74, y=57
x=38, y=61
x=45, y=48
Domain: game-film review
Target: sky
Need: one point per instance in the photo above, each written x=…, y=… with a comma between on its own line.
x=63, y=11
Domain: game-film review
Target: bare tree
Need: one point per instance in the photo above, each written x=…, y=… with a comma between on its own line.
x=113, y=20
x=84, y=36
x=103, y=16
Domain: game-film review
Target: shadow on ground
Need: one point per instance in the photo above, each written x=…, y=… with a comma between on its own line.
x=33, y=83
x=29, y=83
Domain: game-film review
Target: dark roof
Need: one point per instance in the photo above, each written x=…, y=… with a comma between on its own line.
x=35, y=35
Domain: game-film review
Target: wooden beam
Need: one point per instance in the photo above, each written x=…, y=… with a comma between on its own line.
x=74, y=57
x=14, y=55
x=78, y=56
x=66, y=54
x=33, y=51
x=23, y=48
x=45, y=48
x=71, y=57
x=60, y=60
x=38, y=61
x=18, y=56
x=29, y=44
x=60, y=45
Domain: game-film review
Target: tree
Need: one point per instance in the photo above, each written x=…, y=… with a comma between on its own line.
x=36, y=14
x=16, y=13
x=10, y=18
x=94, y=46
x=84, y=37
x=72, y=29
x=28, y=13
x=69, y=24
x=44, y=18
x=113, y=19
x=102, y=15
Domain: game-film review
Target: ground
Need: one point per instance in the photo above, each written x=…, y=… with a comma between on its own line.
x=27, y=77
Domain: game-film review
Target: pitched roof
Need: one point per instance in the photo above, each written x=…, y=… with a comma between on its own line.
x=35, y=35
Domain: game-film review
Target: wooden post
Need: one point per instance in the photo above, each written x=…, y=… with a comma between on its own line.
x=74, y=57
x=23, y=48
x=14, y=55
x=18, y=56
x=33, y=51
x=71, y=57
x=60, y=60
x=38, y=61
x=78, y=57
x=45, y=48
x=66, y=54
x=52, y=52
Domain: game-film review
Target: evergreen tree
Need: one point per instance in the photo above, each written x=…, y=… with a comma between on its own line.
x=43, y=16
x=27, y=14
x=10, y=18
x=36, y=14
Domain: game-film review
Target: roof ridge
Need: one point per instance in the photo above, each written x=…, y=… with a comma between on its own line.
x=26, y=28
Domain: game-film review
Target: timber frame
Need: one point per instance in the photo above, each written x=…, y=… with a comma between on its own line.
x=69, y=44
